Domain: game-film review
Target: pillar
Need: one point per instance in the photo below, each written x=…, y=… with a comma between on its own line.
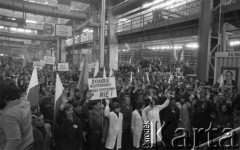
x=112, y=41
x=58, y=56
x=204, y=40
x=95, y=49
x=63, y=51
x=102, y=34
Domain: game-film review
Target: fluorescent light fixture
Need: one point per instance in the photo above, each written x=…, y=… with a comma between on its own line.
x=150, y=4
x=192, y=45
x=13, y=29
x=177, y=47
x=124, y=20
x=20, y=30
x=31, y=21
x=27, y=31
x=234, y=43
x=1, y=54
x=171, y=4
x=1, y=27
x=88, y=30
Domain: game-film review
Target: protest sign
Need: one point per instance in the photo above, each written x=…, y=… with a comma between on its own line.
x=102, y=88
x=63, y=67
x=38, y=64
x=49, y=60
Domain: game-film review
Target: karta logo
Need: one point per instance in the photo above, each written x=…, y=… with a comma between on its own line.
x=216, y=138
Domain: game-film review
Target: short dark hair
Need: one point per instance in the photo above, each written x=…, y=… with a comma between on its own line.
x=229, y=72
x=139, y=104
x=9, y=91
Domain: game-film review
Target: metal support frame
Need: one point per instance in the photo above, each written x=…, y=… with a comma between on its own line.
x=216, y=31
x=209, y=37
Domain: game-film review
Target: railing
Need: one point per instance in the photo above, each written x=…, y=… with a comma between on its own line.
x=229, y=2
x=166, y=14
x=83, y=38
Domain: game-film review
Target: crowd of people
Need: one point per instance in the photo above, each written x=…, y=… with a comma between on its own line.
x=146, y=91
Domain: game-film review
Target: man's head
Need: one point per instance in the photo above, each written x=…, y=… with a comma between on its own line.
x=38, y=119
x=96, y=105
x=172, y=101
x=127, y=100
x=8, y=92
x=229, y=75
x=77, y=107
x=116, y=107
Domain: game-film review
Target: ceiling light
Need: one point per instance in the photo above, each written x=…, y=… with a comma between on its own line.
x=1, y=27
x=234, y=43
x=192, y=45
x=31, y=21
x=152, y=3
x=177, y=47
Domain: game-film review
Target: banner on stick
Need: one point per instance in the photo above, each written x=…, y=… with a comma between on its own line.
x=102, y=88
x=38, y=64
x=63, y=67
x=49, y=60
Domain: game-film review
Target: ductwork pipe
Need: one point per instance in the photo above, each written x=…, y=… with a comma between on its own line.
x=127, y=6
x=41, y=9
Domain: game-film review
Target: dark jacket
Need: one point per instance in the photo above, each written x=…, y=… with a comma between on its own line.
x=68, y=135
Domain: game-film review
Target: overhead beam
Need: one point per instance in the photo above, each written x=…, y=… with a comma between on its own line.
x=40, y=9
x=128, y=5
x=29, y=37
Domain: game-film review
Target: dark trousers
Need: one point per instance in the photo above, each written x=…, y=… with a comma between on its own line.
x=94, y=142
x=127, y=139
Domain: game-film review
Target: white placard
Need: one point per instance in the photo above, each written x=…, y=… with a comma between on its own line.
x=49, y=60
x=63, y=67
x=62, y=30
x=38, y=64
x=102, y=88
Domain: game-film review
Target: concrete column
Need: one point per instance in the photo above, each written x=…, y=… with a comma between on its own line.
x=95, y=49
x=63, y=51
x=112, y=41
x=204, y=40
x=58, y=56
x=102, y=34
x=73, y=47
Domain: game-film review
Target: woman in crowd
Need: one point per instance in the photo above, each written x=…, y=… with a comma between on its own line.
x=184, y=109
x=68, y=130
x=115, y=117
x=137, y=125
x=151, y=113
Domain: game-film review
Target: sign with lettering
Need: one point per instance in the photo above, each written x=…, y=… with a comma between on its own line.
x=38, y=64
x=63, y=67
x=49, y=60
x=102, y=88
x=49, y=29
x=62, y=30
x=227, y=54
